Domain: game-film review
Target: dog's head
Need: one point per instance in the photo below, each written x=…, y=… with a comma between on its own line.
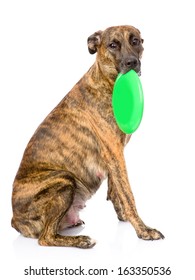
x=119, y=49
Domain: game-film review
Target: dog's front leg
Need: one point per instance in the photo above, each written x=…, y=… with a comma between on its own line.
x=112, y=195
x=119, y=192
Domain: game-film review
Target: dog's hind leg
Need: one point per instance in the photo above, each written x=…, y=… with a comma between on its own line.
x=55, y=205
x=56, y=209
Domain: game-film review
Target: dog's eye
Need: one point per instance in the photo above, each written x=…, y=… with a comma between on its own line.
x=134, y=41
x=114, y=45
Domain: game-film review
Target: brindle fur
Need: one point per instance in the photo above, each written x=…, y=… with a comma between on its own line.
x=77, y=146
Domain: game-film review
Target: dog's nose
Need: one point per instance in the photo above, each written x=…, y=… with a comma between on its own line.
x=131, y=62
x=128, y=63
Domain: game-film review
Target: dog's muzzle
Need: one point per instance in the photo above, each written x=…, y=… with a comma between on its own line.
x=130, y=63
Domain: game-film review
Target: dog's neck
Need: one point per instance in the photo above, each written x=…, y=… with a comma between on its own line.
x=103, y=77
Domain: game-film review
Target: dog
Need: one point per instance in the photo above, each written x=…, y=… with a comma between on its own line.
x=76, y=147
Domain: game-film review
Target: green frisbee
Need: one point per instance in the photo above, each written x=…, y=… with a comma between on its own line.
x=128, y=101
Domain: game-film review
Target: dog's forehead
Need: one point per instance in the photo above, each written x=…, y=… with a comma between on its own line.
x=119, y=33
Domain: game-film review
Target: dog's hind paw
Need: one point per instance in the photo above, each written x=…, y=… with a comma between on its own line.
x=85, y=242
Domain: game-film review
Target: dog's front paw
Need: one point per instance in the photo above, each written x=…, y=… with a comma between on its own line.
x=150, y=234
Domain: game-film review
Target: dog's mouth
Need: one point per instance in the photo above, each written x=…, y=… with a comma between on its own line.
x=139, y=73
x=124, y=72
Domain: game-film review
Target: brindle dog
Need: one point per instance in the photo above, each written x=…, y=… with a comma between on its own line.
x=77, y=146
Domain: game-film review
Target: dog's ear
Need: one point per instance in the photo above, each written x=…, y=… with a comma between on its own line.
x=94, y=41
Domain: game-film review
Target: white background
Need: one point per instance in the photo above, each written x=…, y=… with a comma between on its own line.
x=43, y=53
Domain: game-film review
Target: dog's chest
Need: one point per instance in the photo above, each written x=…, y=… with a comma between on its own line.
x=96, y=169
